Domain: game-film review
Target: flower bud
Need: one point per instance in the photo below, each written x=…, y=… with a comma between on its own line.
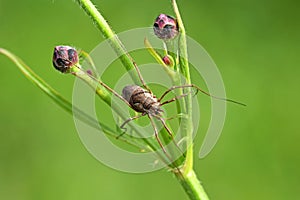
x=64, y=57
x=167, y=60
x=165, y=27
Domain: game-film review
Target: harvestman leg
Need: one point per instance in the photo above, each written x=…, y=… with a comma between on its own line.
x=169, y=132
x=106, y=87
x=174, y=117
x=156, y=134
x=174, y=99
x=140, y=76
x=160, y=144
x=117, y=95
x=182, y=86
x=198, y=89
x=137, y=69
x=126, y=122
x=131, y=119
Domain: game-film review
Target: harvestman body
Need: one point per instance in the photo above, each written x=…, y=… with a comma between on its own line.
x=144, y=102
x=141, y=100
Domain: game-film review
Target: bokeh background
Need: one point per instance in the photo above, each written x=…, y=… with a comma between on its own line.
x=256, y=47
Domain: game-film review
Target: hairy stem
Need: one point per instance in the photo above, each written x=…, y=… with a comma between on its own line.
x=109, y=34
x=192, y=186
x=190, y=182
x=184, y=69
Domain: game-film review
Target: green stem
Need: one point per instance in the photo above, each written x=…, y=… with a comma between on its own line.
x=175, y=81
x=117, y=45
x=187, y=177
x=171, y=71
x=187, y=128
x=192, y=186
x=109, y=34
x=190, y=182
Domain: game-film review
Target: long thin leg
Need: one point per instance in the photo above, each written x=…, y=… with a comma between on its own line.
x=166, y=127
x=175, y=98
x=140, y=76
x=168, y=90
x=169, y=132
x=131, y=119
x=126, y=122
x=105, y=86
x=180, y=115
x=156, y=134
x=198, y=89
x=160, y=144
x=135, y=66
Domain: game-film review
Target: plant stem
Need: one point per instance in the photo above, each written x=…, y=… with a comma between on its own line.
x=113, y=39
x=118, y=47
x=190, y=182
x=187, y=128
x=192, y=186
x=187, y=176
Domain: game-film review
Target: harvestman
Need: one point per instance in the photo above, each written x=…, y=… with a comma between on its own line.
x=142, y=100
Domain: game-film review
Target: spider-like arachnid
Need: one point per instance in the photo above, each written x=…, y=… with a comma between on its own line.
x=140, y=98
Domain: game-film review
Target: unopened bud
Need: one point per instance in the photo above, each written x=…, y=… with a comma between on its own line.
x=167, y=60
x=165, y=27
x=64, y=57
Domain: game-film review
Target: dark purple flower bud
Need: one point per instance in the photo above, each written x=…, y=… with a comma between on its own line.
x=165, y=27
x=64, y=57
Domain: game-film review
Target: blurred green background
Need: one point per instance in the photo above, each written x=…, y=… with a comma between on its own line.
x=256, y=47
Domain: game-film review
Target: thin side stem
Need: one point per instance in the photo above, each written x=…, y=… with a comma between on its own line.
x=62, y=102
